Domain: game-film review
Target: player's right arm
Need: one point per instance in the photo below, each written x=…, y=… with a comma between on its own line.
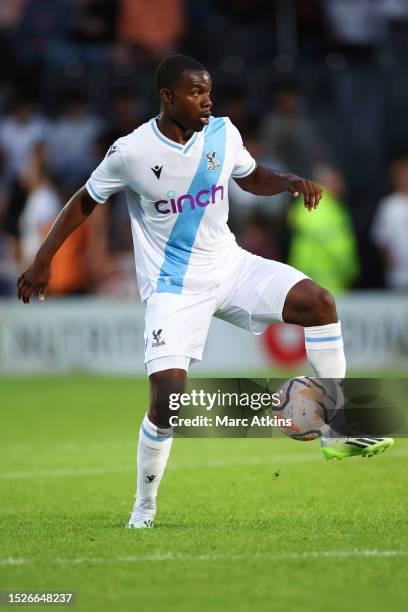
x=36, y=277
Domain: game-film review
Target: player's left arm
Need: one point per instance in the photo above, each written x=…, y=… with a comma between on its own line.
x=263, y=181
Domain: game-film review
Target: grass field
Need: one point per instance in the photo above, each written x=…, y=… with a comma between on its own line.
x=229, y=535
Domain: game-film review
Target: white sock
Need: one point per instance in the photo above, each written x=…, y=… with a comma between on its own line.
x=152, y=455
x=325, y=350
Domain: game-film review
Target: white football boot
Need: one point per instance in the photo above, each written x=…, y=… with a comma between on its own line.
x=143, y=514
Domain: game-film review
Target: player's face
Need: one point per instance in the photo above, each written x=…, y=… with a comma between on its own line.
x=190, y=105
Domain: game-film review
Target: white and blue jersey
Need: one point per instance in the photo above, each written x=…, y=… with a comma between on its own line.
x=177, y=197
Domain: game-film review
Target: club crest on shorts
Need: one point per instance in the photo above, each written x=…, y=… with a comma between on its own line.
x=158, y=341
x=212, y=162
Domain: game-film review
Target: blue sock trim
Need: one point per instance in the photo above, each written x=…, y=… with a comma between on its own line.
x=156, y=438
x=328, y=339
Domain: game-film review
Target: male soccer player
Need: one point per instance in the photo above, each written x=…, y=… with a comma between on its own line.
x=175, y=171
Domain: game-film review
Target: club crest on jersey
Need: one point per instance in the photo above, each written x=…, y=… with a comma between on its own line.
x=212, y=162
x=158, y=341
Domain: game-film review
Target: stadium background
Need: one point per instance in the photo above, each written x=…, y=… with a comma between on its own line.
x=316, y=87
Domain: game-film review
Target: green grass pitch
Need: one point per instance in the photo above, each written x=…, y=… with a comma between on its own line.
x=230, y=534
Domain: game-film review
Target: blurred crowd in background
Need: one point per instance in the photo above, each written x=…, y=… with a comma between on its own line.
x=316, y=87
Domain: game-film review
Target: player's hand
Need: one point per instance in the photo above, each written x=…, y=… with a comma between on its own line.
x=35, y=278
x=312, y=193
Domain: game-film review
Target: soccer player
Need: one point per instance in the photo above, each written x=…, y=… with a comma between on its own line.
x=175, y=171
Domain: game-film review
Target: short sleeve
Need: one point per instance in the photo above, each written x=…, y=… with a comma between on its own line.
x=244, y=163
x=109, y=177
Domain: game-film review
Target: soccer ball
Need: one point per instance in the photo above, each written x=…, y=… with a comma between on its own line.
x=309, y=403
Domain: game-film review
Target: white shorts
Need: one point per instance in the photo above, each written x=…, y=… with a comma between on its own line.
x=251, y=297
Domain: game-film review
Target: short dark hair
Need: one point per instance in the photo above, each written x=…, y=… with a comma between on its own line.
x=170, y=70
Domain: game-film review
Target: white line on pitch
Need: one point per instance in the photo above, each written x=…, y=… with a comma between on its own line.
x=212, y=463
x=317, y=554
x=11, y=561
x=61, y=472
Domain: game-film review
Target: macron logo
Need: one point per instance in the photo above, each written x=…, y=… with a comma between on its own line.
x=202, y=198
x=157, y=170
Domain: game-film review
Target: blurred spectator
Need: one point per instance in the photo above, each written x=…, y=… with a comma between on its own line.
x=94, y=21
x=289, y=135
x=11, y=12
x=8, y=266
x=235, y=104
x=42, y=206
x=257, y=236
x=243, y=201
x=323, y=244
x=71, y=142
x=395, y=13
x=354, y=22
x=8, y=251
x=273, y=208
x=20, y=131
x=127, y=113
x=69, y=266
x=155, y=26
x=311, y=29
x=390, y=227
x=42, y=22
x=394, y=10
x=344, y=60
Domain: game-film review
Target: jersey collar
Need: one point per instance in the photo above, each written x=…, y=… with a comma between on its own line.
x=167, y=141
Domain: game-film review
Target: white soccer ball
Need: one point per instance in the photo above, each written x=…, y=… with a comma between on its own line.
x=309, y=403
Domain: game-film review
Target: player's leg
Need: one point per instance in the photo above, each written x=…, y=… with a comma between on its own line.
x=175, y=333
x=266, y=292
x=314, y=308
x=155, y=440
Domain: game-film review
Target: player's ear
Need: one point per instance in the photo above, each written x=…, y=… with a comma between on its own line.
x=166, y=95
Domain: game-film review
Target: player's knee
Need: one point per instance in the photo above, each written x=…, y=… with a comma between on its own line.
x=162, y=386
x=322, y=308
x=308, y=304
